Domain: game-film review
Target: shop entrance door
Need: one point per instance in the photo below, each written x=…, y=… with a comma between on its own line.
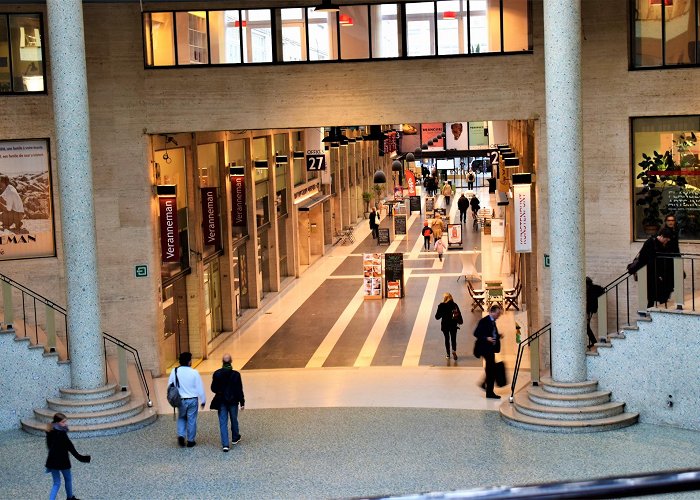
x=212, y=299
x=175, y=318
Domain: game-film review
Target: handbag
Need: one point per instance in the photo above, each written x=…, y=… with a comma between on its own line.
x=173, y=394
x=500, y=372
x=457, y=316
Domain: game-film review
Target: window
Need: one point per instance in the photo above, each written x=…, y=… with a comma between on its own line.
x=484, y=26
x=354, y=32
x=257, y=36
x=160, y=38
x=451, y=28
x=666, y=174
x=665, y=33
x=420, y=28
x=323, y=40
x=21, y=54
x=225, y=36
x=293, y=35
x=385, y=31
x=192, y=47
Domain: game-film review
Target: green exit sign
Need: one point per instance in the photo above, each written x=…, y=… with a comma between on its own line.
x=546, y=260
x=141, y=271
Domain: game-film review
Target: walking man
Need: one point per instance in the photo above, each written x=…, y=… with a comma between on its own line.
x=227, y=387
x=488, y=343
x=189, y=384
x=471, y=177
x=463, y=206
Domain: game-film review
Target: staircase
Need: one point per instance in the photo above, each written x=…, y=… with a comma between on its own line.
x=566, y=407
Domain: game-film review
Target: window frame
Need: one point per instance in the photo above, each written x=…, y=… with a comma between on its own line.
x=6, y=16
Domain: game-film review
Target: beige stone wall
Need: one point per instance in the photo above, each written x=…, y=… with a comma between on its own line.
x=128, y=103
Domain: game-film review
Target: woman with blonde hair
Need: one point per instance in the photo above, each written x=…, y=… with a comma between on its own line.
x=450, y=318
x=437, y=226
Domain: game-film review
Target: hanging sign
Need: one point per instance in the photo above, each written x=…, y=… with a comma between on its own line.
x=169, y=232
x=210, y=217
x=411, y=181
x=238, y=212
x=523, y=222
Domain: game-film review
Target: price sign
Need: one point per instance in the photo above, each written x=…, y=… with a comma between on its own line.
x=315, y=162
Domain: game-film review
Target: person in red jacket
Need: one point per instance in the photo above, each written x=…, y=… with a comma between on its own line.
x=427, y=232
x=58, y=461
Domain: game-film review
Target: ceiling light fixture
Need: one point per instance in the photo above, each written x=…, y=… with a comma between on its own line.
x=346, y=20
x=326, y=6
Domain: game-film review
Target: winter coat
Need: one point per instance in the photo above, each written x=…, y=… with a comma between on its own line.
x=59, y=446
x=445, y=313
x=438, y=228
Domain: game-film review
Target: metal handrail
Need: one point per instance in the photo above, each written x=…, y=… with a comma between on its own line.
x=521, y=350
x=62, y=310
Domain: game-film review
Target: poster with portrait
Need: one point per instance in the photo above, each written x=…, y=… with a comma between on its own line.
x=432, y=132
x=457, y=135
x=26, y=209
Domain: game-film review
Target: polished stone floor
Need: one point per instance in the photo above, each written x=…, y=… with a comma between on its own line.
x=341, y=452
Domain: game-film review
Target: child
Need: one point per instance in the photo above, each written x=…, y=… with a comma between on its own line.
x=427, y=232
x=439, y=247
x=58, y=461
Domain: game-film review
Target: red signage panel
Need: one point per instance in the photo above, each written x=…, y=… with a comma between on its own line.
x=411, y=181
x=210, y=217
x=169, y=233
x=239, y=217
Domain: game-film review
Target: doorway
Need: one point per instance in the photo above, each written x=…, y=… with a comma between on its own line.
x=176, y=328
x=212, y=300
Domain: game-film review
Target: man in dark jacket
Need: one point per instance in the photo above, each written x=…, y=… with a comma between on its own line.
x=593, y=291
x=374, y=223
x=488, y=343
x=475, y=204
x=659, y=268
x=227, y=387
x=463, y=205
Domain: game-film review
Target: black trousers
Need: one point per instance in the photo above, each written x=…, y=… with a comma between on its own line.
x=490, y=369
x=426, y=242
x=375, y=231
x=591, y=337
x=447, y=200
x=450, y=336
x=462, y=216
x=470, y=185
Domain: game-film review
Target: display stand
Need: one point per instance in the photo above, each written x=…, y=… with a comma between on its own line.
x=399, y=224
x=430, y=207
x=373, y=276
x=394, y=275
x=454, y=236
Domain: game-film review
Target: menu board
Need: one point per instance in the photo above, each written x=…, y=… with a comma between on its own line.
x=399, y=224
x=383, y=238
x=393, y=273
x=429, y=205
x=372, y=275
x=400, y=208
x=454, y=235
x=415, y=204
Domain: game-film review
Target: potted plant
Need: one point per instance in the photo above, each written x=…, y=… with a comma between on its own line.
x=377, y=188
x=366, y=197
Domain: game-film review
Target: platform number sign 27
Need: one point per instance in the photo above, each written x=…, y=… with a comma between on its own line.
x=315, y=162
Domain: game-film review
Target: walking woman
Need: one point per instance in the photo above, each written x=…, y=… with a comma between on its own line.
x=450, y=318
x=58, y=461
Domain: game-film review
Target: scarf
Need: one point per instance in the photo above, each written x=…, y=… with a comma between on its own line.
x=227, y=366
x=58, y=427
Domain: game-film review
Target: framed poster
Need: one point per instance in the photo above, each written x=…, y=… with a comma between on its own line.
x=372, y=273
x=26, y=204
x=457, y=135
x=454, y=235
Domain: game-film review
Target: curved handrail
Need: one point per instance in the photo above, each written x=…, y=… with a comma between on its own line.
x=521, y=350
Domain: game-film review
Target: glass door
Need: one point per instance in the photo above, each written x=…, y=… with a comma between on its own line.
x=212, y=300
x=175, y=332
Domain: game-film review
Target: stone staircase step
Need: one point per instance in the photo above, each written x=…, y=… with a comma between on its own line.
x=528, y=407
x=592, y=353
x=619, y=335
x=540, y=396
x=511, y=415
x=88, y=394
x=129, y=410
x=630, y=328
x=78, y=405
x=550, y=385
x=138, y=421
x=603, y=344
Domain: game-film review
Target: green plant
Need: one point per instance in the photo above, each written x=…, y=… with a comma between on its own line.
x=366, y=197
x=378, y=189
x=649, y=197
x=683, y=144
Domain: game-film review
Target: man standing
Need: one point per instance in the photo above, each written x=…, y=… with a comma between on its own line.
x=373, y=223
x=463, y=205
x=471, y=177
x=11, y=206
x=189, y=384
x=227, y=387
x=488, y=343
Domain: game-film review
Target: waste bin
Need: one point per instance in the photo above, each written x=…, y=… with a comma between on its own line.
x=492, y=185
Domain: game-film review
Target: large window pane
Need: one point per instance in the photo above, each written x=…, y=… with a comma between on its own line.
x=5, y=77
x=323, y=41
x=385, y=31
x=354, y=32
x=27, y=63
x=451, y=27
x=257, y=36
x=293, y=35
x=225, y=36
x=648, y=48
x=191, y=37
x=484, y=26
x=420, y=28
x=680, y=32
x=516, y=35
x=160, y=36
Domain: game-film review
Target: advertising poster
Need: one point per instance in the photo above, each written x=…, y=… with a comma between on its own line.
x=26, y=212
x=457, y=134
x=372, y=275
x=411, y=181
x=454, y=235
x=238, y=202
x=478, y=134
x=523, y=223
x=393, y=272
x=410, y=137
x=429, y=131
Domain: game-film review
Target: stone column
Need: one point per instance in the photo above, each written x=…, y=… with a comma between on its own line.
x=562, y=41
x=72, y=124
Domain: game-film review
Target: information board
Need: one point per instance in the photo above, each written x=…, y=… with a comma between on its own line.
x=393, y=274
x=384, y=236
x=429, y=205
x=415, y=204
x=372, y=275
x=399, y=224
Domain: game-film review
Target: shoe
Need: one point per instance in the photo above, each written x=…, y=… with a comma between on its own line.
x=447, y=356
x=181, y=441
x=237, y=440
x=191, y=444
x=493, y=396
x=482, y=386
x=454, y=355
x=225, y=449
x=73, y=498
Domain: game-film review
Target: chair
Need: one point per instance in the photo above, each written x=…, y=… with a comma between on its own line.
x=495, y=296
x=478, y=297
x=511, y=296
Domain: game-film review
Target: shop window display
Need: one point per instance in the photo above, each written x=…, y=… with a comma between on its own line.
x=665, y=33
x=666, y=174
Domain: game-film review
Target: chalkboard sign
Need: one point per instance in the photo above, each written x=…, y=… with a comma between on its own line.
x=384, y=236
x=399, y=224
x=393, y=275
x=415, y=204
x=441, y=211
x=429, y=205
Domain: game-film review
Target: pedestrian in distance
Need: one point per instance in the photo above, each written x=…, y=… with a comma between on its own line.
x=471, y=178
x=189, y=384
x=58, y=461
x=475, y=204
x=227, y=387
x=374, y=223
x=671, y=223
x=593, y=291
x=447, y=193
x=450, y=318
x=427, y=232
x=488, y=343
x=463, y=206
x=439, y=247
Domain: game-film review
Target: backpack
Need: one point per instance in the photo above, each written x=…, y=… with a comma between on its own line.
x=427, y=231
x=174, y=393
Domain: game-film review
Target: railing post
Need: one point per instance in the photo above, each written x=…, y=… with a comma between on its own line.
x=642, y=290
x=678, y=289
x=8, y=311
x=603, y=316
x=535, y=361
x=121, y=357
x=50, y=329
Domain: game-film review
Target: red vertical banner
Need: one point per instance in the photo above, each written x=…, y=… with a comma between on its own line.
x=238, y=204
x=411, y=181
x=169, y=233
x=210, y=217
